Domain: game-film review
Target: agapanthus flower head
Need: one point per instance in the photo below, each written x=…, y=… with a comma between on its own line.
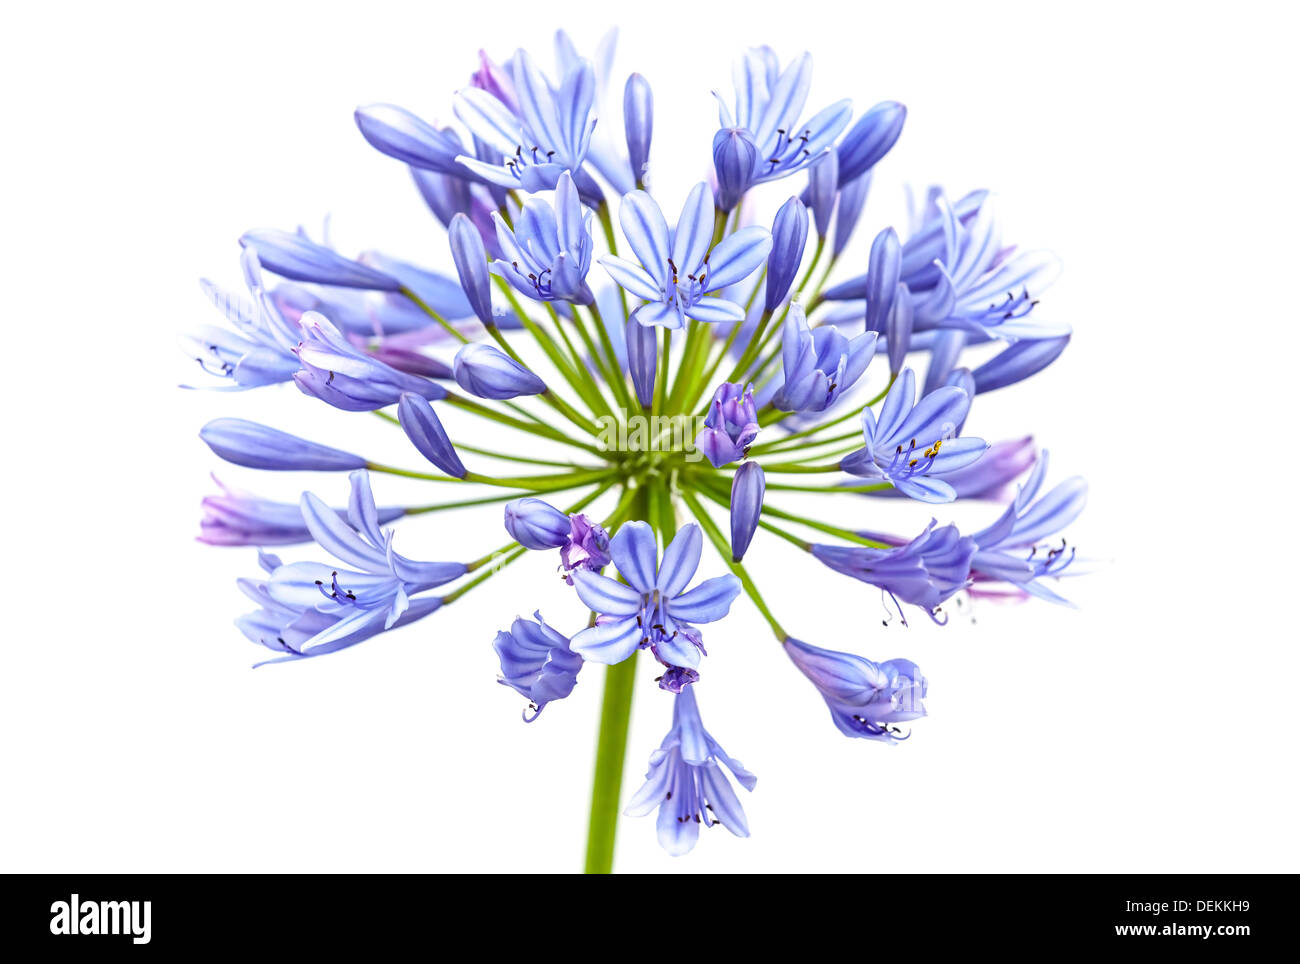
x=1015, y=548
x=600, y=375
x=819, y=366
x=548, y=252
x=537, y=663
x=651, y=609
x=678, y=270
x=769, y=103
x=913, y=443
x=867, y=700
x=730, y=426
x=924, y=572
x=686, y=784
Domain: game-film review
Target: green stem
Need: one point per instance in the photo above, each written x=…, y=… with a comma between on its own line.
x=611, y=748
x=455, y=333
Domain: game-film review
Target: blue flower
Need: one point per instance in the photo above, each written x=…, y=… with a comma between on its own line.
x=908, y=446
x=923, y=572
x=549, y=134
x=1013, y=549
x=318, y=608
x=340, y=374
x=819, y=366
x=537, y=663
x=261, y=447
x=490, y=373
x=990, y=476
x=651, y=609
x=769, y=102
x=261, y=350
x=866, y=699
x=686, y=784
x=730, y=426
x=678, y=270
x=548, y=254
x=236, y=518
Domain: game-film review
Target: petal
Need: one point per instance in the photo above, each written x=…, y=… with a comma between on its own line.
x=608, y=643
x=604, y=595
x=636, y=554
x=632, y=277
x=338, y=538
x=681, y=559
x=647, y=233
x=707, y=602
x=926, y=489
x=736, y=256
x=694, y=230
x=713, y=311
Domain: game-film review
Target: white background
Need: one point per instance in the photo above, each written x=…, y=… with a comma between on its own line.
x=1150, y=145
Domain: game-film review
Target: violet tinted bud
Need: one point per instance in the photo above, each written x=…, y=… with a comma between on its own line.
x=734, y=156
x=261, y=447
x=535, y=524
x=294, y=256
x=870, y=139
x=789, y=236
x=395, y=131
x=638, y=123
x=747, y=490
x=823, y=187
x=642, y=358
x=882, y=278
x=898, y=328
x=426, y=433
x=490, y=373
x=470, y=256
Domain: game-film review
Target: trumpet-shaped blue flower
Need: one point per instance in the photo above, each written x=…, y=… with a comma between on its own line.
x=546, y=132
x=867, y=700
x=990, y=476
x=344, y=606
x=678, y=270
x=730, y=426
x=687, y=785
x=923, y=572
x=819, y=366
x=340, y=374
x=261, y=351
x=913, y=442
x=548, y=253
x=1013, y=549
x=769, y=102
x=537, y=663
x=237, y=518
x=652, y=608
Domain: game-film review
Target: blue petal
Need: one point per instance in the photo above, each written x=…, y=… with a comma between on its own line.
x=694, y=230
x=647, y=234
x=707, y=602
x=737, y=255
x=608, y=643
x=636, y=554
x=681, y=559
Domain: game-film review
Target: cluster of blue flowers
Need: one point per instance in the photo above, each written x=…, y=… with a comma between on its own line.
x=723, y=321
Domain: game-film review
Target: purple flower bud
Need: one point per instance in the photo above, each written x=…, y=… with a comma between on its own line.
x=1024, y=358
x=823, y=186
x=295, y=256
x=747, y=490
x=490, y=373
x=471, y=260
x=882, y=278
x=426, y=433
x=340, y=374
x=398, y=133
x=260, y=447
x=853, y=196
x=638, y=122
x=870, y=139
x=587, y=547
x=866, y=699
x=537, y=663
x=734, y=156
x=731, y=425
x=789, y=235
x=898, y=328
x=642, y=357
x=535, y=524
